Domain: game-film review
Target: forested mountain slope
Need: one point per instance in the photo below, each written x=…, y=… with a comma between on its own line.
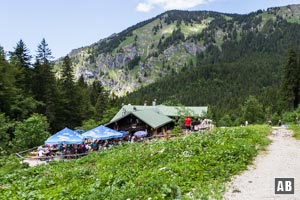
x=175, y=40
x=247, y=61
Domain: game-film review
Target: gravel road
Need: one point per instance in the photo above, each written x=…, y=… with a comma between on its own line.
x=280, y=160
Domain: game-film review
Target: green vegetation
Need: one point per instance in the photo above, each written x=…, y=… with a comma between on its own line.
x=243, y=67
x=189, y=30
x=33, y=102
x=10, y=164
x=292, y=119
x=245, y=56
x=296, y=129
x=30, y=133
x=228, y=46
x=293, y=20
x=194, y=166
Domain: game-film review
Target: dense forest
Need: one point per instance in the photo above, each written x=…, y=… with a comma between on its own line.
x=35, y=103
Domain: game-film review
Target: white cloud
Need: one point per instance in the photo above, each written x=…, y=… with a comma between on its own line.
x=147, y=5
x=144, y=7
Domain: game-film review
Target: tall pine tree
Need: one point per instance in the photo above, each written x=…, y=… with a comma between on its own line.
x=67, y=109
x=74, y=103
x=7, y=84
x=20, y=58
x=99, y=99
x=44, y=83
x=23, y=104
x=291, y=81
x=86, y=109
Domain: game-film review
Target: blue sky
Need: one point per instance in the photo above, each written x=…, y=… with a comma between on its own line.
x=70, y=24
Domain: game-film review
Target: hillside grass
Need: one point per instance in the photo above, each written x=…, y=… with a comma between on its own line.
x=189, y=30
x=293, y=20
x=195, y=166
x=296, y=129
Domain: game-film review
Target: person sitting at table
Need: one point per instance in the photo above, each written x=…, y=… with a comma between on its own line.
x=95, y=145
x=40, y=152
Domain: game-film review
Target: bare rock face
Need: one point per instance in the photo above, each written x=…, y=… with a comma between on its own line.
x=105, y=62
x=111, y=68
x=192, y=48
x=86, y=73
x=109, y=61
x=130, y=51
x=124, y=81
x=170, y=52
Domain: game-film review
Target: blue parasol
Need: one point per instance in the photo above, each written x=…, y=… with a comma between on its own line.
x=140, y=134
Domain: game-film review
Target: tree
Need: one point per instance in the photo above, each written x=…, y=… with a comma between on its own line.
x=88, y=124
x=74, y=103
x=67, y=107
x=67, y=74
x=44, y=55
x=5, y=125
x=95, y=90
x=101, y=105
x=86, y=109
x=44, y=83
x=20, y=58
x=108, y=114
x=226, y=120
x=291, y=81
x=31, y=132
x=22, y=105
x=8, y=89
x=252, y=110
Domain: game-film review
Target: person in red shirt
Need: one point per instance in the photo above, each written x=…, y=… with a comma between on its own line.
x=188, y=124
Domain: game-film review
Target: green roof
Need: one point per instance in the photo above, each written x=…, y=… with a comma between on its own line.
x=171, y=111
x=174, y=111
x=150, y=117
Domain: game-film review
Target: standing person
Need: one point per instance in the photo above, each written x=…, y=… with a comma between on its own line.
x=188, y=124
x=279, y=123
x=270, y=122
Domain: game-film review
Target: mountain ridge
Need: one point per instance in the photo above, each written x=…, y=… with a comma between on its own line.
x=167, y=43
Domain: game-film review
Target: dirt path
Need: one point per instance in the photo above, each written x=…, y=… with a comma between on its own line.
x=281, y=160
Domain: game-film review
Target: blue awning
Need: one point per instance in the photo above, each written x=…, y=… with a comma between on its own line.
x=65, y=136
x=102, y=133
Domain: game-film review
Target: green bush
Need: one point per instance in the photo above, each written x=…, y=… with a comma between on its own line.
x=291, y=117
x=177, y=130
x=296, y=129
x=9, y=164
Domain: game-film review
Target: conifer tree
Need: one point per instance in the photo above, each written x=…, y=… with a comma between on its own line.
x=291, y=81
x=99, y=99
x=95, y=90
x=66, y=108
x=85, y=109
x=101, y=105
x=20, y=58
x=7, y=84
x=44, y=83
x=23, y=103
x=74, y=103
